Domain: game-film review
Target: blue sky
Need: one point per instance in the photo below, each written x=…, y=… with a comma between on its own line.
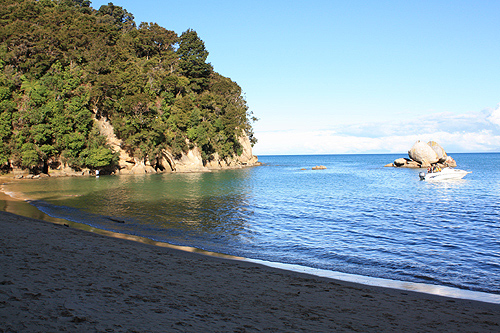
x=330, y=77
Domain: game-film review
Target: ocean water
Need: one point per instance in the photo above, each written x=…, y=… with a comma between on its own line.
x=355, y=217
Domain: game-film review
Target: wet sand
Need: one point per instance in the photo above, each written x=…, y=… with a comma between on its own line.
x=57, y=278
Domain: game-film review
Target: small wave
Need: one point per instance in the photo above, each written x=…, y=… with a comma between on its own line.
x=14, y=195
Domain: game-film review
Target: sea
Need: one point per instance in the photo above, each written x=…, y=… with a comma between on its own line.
x=354, y=218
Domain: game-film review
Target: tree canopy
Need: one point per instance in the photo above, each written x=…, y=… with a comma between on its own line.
x=64, y=64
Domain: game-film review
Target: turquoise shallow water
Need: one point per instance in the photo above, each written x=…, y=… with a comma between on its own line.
x=354, y=217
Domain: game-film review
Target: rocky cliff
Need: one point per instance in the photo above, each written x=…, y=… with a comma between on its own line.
x=188, y=162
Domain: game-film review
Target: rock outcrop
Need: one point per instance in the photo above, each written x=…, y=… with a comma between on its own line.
x=106, y=129
x=405, y=163
x=423, y=155
x=439, y=151
x=191, y=161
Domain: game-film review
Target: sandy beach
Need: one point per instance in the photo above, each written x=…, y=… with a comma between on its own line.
x=56, y=278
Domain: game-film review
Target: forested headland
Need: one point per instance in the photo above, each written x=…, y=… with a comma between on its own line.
x=65, y=65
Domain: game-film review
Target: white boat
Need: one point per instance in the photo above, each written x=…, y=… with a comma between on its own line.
x=444, y=174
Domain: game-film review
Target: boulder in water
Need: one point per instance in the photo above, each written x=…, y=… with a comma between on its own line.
x=450, y=162
x=400, y=162
x=404, y=163
x=439, y=151
x=422, y=153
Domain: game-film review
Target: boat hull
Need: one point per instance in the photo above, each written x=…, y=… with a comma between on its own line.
x=445, y=174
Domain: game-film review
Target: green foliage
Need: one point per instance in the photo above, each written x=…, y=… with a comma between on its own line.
x=62, y=63
x=192, y=60
x=116, y=16
x=29, y=156
x=98, y=157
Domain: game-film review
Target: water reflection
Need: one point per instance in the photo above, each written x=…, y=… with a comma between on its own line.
x=183, y=208
x=356, y=216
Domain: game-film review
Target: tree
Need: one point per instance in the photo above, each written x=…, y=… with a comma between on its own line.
x=99, y=157
x=192, y=60
x=116, y=16
x=82, y=5
x=151, y=39
x=63, y=63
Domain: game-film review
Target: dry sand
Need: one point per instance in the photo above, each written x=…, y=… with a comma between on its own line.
x=56, y=278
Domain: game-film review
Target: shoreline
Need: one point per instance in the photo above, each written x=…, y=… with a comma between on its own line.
x=25, y=175
x=55, y=277
x=24, y=208
x=429, y=289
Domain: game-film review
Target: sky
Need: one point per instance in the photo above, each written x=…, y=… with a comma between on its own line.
x=352, y=77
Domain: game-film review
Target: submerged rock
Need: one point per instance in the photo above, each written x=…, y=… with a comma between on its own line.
x=319, y=167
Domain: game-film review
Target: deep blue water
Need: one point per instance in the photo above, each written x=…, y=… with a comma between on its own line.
x=354, y=217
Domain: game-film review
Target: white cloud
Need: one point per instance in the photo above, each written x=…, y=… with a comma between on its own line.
x=474, y=132
x=494, y=116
